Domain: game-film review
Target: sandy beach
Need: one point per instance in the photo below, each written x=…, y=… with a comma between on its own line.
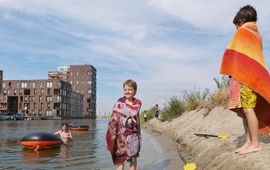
x=212, y=153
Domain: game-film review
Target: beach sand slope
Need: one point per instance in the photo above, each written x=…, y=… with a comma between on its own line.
x=213, y=153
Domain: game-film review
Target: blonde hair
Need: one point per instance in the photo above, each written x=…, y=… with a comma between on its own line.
x=131, y=83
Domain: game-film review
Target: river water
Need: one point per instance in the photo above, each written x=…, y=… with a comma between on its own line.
x=88, y=150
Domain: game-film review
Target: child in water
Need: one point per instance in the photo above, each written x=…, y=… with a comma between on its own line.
x=65, y=134
x=124, y=134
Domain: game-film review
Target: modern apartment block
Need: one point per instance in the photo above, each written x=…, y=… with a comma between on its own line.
x=1, y=80
x=83, y=81
x=44, y=98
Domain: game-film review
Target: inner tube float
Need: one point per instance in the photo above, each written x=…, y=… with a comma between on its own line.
x=40, y=140
x=79, y=127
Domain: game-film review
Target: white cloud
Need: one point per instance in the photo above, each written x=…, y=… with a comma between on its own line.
x=165, y=45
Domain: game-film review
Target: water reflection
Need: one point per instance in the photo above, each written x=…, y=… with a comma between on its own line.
x=38, y=157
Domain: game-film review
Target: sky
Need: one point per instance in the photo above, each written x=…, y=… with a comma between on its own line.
x=166, y=46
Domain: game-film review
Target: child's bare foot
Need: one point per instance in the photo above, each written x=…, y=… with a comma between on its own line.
x=250, y=149
x=241, y=148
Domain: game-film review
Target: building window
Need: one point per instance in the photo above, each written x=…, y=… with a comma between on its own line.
x=17, y=84
x=9, y=83
x=49, y=98
x=77, y=82
x=59, y=85
x=26, y=92
x=26, y=99
x=49, y=106
x=23, y=84
x=42, y=91
x=48, y=113
x=4, y=85
x=15, y=92
x=58, y=98
x=89, y=82
x=35, y=91
x=49, y=84
x=34, y=84
x=89, y=91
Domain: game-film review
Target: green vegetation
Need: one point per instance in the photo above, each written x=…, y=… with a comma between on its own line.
x=172, y=109
x=150, y=115
x=193, y=99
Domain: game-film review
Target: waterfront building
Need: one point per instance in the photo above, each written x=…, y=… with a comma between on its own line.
x=1, y=80
x=83, y=81
x=51, y=98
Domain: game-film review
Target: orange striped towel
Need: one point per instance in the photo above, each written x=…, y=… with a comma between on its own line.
x=243, y=60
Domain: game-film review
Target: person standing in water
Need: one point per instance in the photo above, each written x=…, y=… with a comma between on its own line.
x=123, y=135
x=65, y=134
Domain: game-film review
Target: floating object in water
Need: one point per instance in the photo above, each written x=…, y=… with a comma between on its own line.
x=216, y=136
x=79, y=127
x=40, y=140
x=190, y=166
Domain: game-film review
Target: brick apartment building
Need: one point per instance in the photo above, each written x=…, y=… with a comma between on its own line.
x=1, y=80
x=48, y=98
x=83, y=81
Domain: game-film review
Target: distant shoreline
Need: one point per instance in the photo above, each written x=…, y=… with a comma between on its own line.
x=103, y=116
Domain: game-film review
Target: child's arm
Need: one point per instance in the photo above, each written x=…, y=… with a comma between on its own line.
x=58, y=132
x=70, y=136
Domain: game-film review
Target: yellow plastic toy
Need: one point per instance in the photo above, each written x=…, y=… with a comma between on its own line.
x=190, y=166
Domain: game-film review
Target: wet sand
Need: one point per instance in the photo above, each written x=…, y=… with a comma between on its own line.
x=158, y=152
x=213, y=153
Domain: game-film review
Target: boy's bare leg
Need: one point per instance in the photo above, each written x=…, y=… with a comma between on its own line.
x=253, y=127
x=133, y=166
x=120, y=166
x=247, y=133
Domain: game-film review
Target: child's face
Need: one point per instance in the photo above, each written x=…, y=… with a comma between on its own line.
x=129, y=92
x=64, y=128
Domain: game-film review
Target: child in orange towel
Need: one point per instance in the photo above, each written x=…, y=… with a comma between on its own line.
x=243, y=60
x=123, y=135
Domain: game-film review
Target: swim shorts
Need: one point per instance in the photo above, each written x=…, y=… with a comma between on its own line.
x=132, y=159
x=248, y=97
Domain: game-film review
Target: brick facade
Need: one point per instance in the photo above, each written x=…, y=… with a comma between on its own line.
x=50, y=98
x=83, y=81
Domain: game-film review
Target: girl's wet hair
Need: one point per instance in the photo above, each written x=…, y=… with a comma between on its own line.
x=64, y=124
x=245, y=14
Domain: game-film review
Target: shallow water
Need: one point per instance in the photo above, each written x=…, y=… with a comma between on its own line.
x=88, y=150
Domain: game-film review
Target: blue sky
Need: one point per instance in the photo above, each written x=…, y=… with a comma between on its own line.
x=167, y=46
